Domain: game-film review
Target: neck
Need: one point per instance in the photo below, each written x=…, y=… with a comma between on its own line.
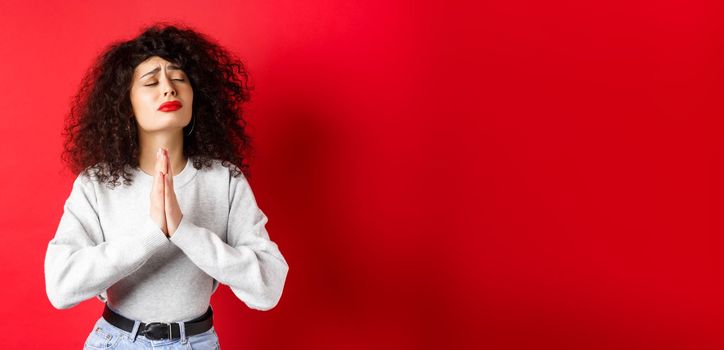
x=151, y=141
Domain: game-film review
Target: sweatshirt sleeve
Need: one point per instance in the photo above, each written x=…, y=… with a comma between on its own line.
x=248, y=262
x=79, y=263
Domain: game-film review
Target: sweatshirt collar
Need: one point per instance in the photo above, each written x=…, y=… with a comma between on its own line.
x=179, y=180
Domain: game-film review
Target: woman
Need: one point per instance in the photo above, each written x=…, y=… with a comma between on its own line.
x=163, y=111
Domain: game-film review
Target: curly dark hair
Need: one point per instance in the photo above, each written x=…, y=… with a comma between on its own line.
x=101, y=135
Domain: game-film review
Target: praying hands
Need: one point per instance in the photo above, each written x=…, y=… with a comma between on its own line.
x=165, y=210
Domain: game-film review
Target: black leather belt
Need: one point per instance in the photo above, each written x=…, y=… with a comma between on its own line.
x=161, y=330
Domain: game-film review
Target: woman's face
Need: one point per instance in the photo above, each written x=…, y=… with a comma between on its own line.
x=156, y=81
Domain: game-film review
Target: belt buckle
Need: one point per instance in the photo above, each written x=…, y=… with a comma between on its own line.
x=155, y=330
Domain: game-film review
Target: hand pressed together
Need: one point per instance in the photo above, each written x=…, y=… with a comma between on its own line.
x=165, y=210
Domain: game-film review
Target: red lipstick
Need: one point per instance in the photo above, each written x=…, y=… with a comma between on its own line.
x=169, y=106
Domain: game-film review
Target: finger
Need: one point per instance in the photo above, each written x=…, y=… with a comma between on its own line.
x=170, y=181
x=171, y=204
x=157, y=164
x=161, y=199
x=160, y=188
x=169, y=193
x=157, y=170
x=167, y=161
x=164, y=162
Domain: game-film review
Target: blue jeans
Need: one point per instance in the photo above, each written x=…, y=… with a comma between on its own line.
x=108, y=336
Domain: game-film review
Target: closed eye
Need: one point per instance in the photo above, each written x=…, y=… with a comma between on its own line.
x=157, y=83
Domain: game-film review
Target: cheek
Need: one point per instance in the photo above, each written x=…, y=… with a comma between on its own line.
x=142, y=101
x=143, y=107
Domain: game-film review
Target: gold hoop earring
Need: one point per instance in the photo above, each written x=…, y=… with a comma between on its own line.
x=192, y=126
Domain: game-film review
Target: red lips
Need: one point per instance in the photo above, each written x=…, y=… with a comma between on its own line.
x=170, y=106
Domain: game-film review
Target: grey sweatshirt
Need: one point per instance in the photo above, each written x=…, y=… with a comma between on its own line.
x=107, y=246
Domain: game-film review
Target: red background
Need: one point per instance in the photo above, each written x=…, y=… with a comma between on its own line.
x=513, y=175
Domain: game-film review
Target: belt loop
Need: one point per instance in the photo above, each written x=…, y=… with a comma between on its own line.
x=134, y=333
x=182, y=328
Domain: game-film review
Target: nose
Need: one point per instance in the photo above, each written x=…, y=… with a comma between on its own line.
x=168, y=88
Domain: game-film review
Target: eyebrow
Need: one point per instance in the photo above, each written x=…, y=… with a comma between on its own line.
x=170, y=67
